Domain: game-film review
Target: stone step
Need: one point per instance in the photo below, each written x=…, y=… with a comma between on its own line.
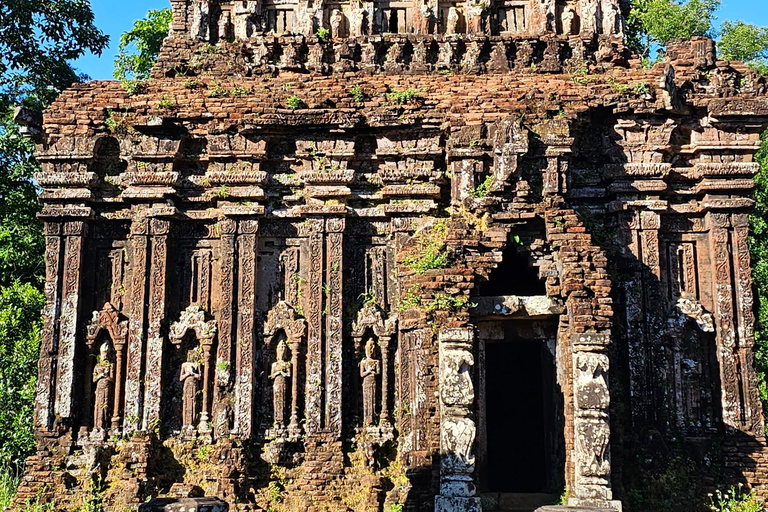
x=516, y=502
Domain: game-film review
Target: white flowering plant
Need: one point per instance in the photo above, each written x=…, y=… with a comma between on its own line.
x=736, y=499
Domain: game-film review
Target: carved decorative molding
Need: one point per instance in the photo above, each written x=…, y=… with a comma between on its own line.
x=193, y=319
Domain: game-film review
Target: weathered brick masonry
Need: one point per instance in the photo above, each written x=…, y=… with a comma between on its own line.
x=282, y=272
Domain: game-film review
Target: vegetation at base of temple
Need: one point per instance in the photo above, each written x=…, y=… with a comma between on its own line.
x=736, y=499
x=38, y=40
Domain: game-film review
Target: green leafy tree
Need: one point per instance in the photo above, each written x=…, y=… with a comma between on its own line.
x=745, y=42
x=758, y=243
x=651, y=24
x=38, y=40
x=140, y=46
x=21, y=237
x=20, y=305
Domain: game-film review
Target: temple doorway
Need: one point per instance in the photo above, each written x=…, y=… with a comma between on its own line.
x=515, y=391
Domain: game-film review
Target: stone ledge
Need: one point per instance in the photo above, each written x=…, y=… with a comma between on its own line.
x=185, y=505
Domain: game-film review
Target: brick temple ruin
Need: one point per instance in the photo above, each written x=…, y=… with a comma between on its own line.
x=362, y=255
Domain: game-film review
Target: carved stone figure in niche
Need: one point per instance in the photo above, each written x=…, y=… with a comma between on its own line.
x=338, y=23
x=475, y=19
x=589, y=16
x=611, y=19
x=281, y=377
x=103, y=380
x=357, y=21
x=549, y=8
x=457, y=388
x=422, y=19
x=591, y=386
x=370, y=368
x=190, y=379
x=593, y=438
x=201, y=20
x=569, y=20
x=225, y=26
x=458, y=441
x=452, y=23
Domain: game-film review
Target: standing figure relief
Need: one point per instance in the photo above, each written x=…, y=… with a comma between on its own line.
x=281, y=375
x=103, y=380
x=370, y=369
x=190, y=380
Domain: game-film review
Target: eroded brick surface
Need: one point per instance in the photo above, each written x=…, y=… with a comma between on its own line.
x=263, y=266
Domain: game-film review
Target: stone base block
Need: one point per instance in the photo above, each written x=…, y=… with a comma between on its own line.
x=570, y=508
x=185, y=505
x=452, y=504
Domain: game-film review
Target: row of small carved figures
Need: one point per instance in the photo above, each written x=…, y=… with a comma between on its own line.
x=419, y=55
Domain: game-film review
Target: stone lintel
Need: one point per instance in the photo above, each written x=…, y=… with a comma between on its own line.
x=536, y=306
x=591, y=339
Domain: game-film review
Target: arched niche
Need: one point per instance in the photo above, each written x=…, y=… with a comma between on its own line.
x=194, y=335
x=106, y=338
x=284, y=336
x=373, y=332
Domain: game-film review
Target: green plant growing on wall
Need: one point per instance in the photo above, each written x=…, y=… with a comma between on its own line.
x=357, y=93
x=433, y=253
x=483, y=189
x=323, y=33
x=401, y=97
x=294, y=102
x=116, y=122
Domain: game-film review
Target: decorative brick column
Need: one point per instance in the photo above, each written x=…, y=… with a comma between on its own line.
x=457, y=426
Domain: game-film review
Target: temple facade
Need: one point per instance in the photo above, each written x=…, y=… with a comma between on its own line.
x=398, y=255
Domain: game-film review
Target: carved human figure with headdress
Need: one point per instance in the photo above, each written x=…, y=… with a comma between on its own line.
x=569, y=20
x=589, y=20
x=201, y=20
x=356, y=20
x=452, y=22
x=190, y=380
x=280, y=375
x=103, y=379
x=338, y=22
x=611, y=19
x=370, y=368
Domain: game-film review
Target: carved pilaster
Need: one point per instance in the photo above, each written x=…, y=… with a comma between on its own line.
x=138, y=247
x=333, y=334
x=247, y=238
x=592, y=430
x=46, y=383
x=225, y=316
x=74, y=234
x=314, y=308
x=159, y=230
x=457, y=425
x=753, y=417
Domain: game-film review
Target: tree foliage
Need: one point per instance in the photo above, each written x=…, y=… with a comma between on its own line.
x=759, y=248
x=20, y=305
x=21, y=237
x=140, y=46
x=38, y=39
x=745, y=42
x=652, y=24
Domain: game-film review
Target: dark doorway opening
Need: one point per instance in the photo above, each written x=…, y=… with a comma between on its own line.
x=519, y=416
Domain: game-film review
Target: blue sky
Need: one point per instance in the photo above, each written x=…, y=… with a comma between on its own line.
x=114, y=18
